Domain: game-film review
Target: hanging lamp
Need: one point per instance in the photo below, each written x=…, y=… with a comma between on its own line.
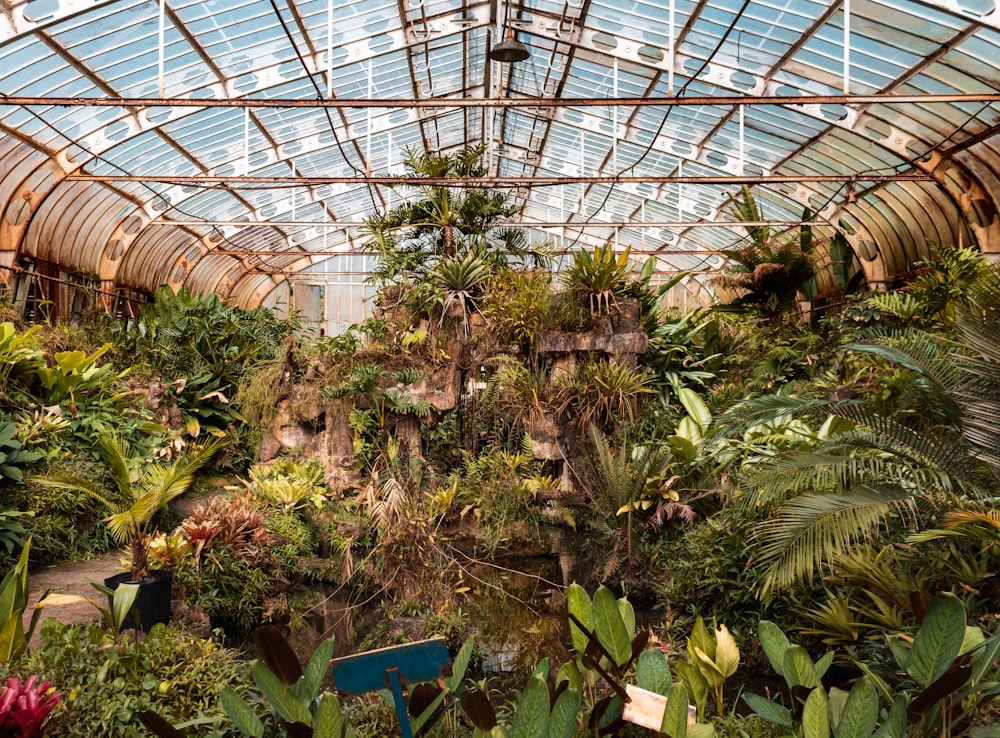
x=509, y=50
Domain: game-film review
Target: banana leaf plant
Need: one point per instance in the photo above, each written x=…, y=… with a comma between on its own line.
x=947, y=674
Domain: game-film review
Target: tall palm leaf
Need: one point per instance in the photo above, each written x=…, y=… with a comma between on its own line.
x=142, y=488
x=883, y=473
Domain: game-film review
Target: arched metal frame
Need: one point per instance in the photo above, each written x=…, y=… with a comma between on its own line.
x=629, y=122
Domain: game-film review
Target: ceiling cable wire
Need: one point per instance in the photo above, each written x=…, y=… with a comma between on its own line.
x=319, y=96
x=663, y=121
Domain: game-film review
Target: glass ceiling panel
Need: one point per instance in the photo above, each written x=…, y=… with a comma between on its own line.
x=238, y=36
x=375, y=54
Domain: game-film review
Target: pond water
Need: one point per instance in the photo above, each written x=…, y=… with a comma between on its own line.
x=514, y=605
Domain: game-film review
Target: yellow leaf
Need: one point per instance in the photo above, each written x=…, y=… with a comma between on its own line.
x=708, y=668
x=57, y=600
x=727, y=653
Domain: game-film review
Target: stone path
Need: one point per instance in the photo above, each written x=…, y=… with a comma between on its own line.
x=71, y=579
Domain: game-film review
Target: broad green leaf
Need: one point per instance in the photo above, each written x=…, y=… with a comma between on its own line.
x=985, y=731
x=938, y=641
x=240, y=713
x=774, y=643
x=609, y=626
x=579, y=605
x=532, y=717
x=973, y=639
x=542, y=669
x=900, y=650
x=121, y=604
x=799, y=668
x=695, y=407
x=984, y=659
x=895, y=725
x=700, y=730
x=816, y=715
x=709, y=669
x=281, y=698
x=681, y=447
x=570, y=673
x=627, y=613
x=675, y=716
x=837, y=698
x=329, y=721
x=11, y=637
x=460, y=664
x=860, y=713
x=562, y=721
x=824, y=664
x=652, y=672
x=771, y=711
x=687, y=429
x=701, y=638
x=309, y=685
x=694, y=682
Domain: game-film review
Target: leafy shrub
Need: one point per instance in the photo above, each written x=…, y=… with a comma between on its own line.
x=707, y=574
x=105, y=680
x=515, y=304
x=230, y=589
x=292, y=538
x=62, y=522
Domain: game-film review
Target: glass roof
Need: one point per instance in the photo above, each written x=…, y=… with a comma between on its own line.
x=648, y=114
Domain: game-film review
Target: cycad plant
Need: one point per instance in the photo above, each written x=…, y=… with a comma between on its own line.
x=142, y=487
x=890, y=469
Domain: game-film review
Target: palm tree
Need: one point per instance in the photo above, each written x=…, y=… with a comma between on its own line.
x=142, y=487
x=885, y=471
x=443, y=223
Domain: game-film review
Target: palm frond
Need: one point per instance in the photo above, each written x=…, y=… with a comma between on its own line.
x=921, y=354
x=927, y=446
x=814, y=528
x=740, y=418
x=121, y=460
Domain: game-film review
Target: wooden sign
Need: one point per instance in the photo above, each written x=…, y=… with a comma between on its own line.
x=646, y=708
x=391, y=668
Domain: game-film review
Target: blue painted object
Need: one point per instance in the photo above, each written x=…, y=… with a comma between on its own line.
x=392, y=668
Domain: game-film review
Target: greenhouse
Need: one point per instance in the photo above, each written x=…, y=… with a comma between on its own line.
x=518, y=369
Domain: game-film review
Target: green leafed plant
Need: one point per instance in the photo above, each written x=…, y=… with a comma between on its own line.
x=461, y=281
x=13, y=602
x=73, y=372
x=291, y=693
x=12, y=454
x=600, y=277
x=142, y=488
x=713, y=657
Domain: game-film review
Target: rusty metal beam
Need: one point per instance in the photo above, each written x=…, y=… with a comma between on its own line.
x=496, y=182
x=468, y=102
x=525, y=223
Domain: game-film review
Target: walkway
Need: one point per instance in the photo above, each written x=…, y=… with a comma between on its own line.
x=71, y=579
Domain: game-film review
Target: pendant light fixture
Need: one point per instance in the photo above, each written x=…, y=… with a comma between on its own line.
x=509, y=50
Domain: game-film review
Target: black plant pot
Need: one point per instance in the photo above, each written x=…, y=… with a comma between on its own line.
x=153, y=600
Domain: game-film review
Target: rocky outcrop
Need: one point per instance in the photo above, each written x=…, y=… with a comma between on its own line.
x=315, y=428
x=617, y=334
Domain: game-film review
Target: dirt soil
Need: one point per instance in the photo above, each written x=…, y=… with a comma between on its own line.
x=71, y=579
